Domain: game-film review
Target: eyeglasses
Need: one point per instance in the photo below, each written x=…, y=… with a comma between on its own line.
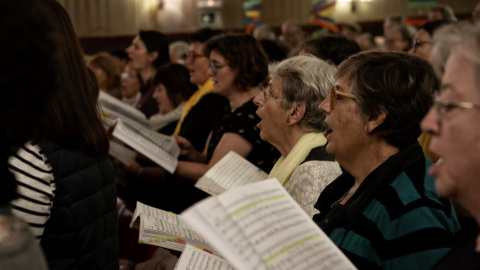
x=419, y=43
x=194, y=55
x=215, y=66
x=337, y=95
x=267, y=92
x=443, y=106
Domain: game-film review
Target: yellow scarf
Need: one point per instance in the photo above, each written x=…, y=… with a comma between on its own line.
x=284, y=167
x=192, y=101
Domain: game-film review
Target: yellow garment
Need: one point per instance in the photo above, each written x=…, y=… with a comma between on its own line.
x=424, y=141
x=283, y=169
x=192, y=101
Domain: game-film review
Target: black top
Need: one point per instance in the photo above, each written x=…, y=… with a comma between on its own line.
x=243, y=121
x=147, y=104
x=462, y=255
x=202, y=118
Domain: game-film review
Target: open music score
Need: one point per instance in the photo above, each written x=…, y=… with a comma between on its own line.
x=165, y=229
x=231, y=171
x=160, y=148
x=259, y=226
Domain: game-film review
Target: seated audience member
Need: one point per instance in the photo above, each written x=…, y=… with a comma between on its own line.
x=120, y=57
x=178, y=51
x=441, y=12
x=453, y=123
x=383, y=212
x=422, y=47
x=350, y=29
x=107, y=73
x=66, y=184
x=149, y=50
x=130, y=87
x=264, y=32
x=237, y=66
x=172, y=88
x=26, y=88
x=476, y=13
x=291, y=37
x=292, y=122
x=333, y=48
x=391, y=22
x=399, y=39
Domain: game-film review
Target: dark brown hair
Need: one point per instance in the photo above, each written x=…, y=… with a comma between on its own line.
x=243, y=54
x=176, y=79
x=73, y=116
x=398, y=84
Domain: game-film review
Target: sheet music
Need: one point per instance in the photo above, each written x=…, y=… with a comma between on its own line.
x=231, y=171
x=141, y=142
x=196, y=258
x=143, y=209
x=273, y=227
x=122, y=153
x=116, y=106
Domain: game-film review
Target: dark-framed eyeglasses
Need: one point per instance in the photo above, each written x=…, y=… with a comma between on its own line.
x=444, y=106
x=215, y=66
x=268, y=92
x=193, y=55
x=336, y=95
x=419, y=43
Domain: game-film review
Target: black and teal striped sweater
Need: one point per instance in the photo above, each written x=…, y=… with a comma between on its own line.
x=395, y=220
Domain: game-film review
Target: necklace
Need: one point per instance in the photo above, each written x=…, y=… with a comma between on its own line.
x=353, y=189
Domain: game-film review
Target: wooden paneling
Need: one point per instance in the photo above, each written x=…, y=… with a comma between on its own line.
x=93, y=18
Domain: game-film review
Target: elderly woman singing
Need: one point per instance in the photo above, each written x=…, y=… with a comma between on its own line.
x=291, y=121
x=383, y=211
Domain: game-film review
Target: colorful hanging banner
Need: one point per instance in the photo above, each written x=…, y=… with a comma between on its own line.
x=252, y=14
x=321, y=12
x=421, y=3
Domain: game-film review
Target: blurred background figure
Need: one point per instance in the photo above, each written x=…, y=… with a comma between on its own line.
x=120, y=57
x=399, y=38
x=441, y=12
x=391, y=22
x=178, y=51
x=330, y=48
x=292, y=122
x=149, y=50
x=453, y=124
x=292, y=36
x=264, y=32
x=350, y=29
x=273, y=50
x=130, y=86
x=476, y=13
x=107, y=74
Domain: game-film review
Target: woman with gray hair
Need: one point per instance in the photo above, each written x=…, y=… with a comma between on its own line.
x=291, y=121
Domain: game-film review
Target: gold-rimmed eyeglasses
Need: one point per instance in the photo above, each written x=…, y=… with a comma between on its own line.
x=337, y=95
x=443, y=106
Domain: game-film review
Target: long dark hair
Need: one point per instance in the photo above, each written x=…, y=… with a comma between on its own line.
x=73, y=116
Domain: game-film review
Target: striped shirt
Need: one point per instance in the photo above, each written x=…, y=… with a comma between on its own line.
x=35, y=186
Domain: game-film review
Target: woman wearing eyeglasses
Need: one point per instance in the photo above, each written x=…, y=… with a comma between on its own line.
x=422, y=47
x=237, y=66
x=383, y=211
x=291, y=121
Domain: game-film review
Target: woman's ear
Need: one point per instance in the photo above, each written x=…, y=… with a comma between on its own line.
x=375, y=122
x=296, y=113
x=152, y=56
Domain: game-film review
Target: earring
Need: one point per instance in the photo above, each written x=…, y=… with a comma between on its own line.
x=366, y=130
